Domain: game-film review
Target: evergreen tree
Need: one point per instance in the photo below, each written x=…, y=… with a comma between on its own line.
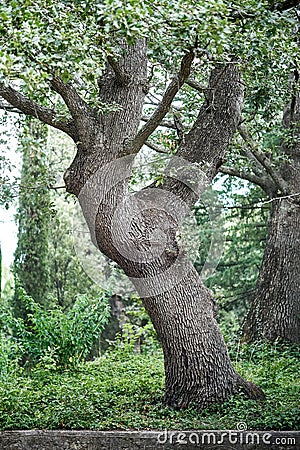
x=244, y=229
x=33, y=215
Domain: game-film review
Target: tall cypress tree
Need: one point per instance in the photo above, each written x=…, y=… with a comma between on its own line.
x=31, y=256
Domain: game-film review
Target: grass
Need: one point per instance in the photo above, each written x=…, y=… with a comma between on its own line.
x=124, y=391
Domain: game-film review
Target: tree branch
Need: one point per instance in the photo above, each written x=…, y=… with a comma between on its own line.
x=264, y=183
x=122, y=78
x=207, y=140
x=76, y=105
x=143, y=134
x=31, y=108
x=10, y=108
x=257, y=167
x=196, y=85
x=155, y=147
x=263, y=159
x=84, y=116
x=179, y=127
x=203, y=149
x=163, y=123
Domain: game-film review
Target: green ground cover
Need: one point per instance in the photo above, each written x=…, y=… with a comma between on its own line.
x=122, y=390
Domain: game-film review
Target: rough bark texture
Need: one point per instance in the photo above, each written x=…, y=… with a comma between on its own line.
x=197, y=365
x=275, y=310
x=139, y=231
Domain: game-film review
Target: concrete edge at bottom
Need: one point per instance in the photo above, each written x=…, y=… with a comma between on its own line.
x=148, y=440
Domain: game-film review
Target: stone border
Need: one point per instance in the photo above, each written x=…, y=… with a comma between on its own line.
x=149, y=440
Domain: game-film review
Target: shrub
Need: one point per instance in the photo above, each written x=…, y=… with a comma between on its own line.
x=54, y=338
x=8, y=354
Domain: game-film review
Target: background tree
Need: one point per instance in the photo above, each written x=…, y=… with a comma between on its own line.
x=67, y=277
x=271, y=160
x=244, y=226
x=33, y=216
x=80, y=53
x=275, y=311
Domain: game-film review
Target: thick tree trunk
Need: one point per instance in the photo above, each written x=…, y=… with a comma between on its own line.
x=197, y=366
x=275, y=310
x=139, y=231
x=142, y=240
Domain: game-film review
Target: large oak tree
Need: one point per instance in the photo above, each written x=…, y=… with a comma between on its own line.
x=86, y=69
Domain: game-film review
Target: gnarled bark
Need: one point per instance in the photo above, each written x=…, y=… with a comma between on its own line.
x=197, y=366
x=139, y=231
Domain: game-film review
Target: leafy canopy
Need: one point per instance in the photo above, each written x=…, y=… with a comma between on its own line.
x=73, y=38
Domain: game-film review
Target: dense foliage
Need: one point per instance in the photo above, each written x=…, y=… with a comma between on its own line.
x=34, y=212
x=124, y=391
x=73, y=39
x=44, y=381
x=54, y=338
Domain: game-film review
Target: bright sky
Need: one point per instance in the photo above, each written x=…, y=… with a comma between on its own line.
x=8, y=235
x=8, y=228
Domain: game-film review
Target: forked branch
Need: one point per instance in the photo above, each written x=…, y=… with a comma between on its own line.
x=122, y=78
x=263, y=159
x=75, y=103
x=263, y=182
x=163, y=123
x=154, y=121
x=31, y=108
x=156, y=147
